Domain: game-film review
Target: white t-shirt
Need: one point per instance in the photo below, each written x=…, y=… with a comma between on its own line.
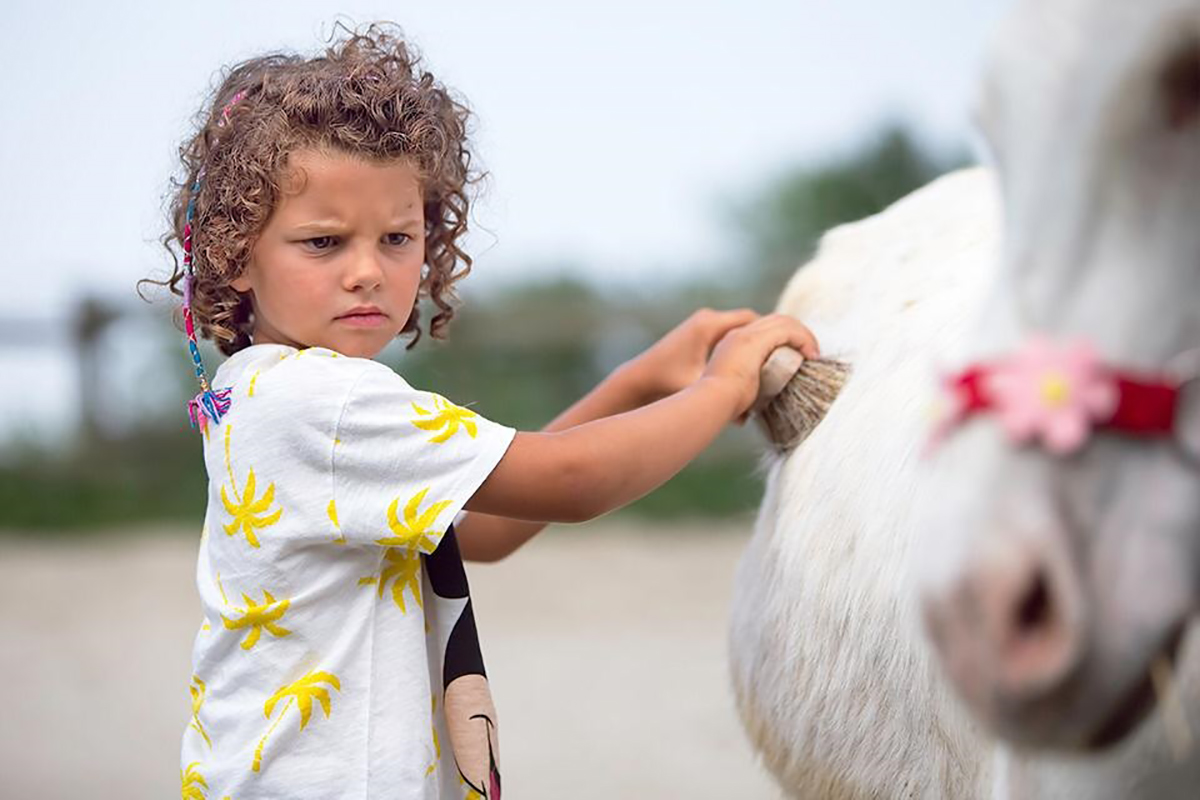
x=320, y=668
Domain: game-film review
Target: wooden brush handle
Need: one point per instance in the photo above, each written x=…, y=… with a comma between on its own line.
x=777, y=371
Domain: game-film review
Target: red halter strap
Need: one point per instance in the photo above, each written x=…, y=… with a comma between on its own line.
x=1061, y=393
x=1146, y=406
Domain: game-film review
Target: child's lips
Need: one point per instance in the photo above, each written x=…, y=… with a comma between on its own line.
x=364, y=319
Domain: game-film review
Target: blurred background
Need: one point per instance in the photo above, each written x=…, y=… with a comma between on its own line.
x=643, y=159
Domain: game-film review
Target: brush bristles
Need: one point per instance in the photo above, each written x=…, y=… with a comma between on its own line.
x=791, y=416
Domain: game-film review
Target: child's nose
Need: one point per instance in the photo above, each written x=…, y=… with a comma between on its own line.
x=363, y=269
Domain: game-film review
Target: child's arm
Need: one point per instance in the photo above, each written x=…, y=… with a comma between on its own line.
x=588, y=470
x=672, y=364
x=485, y=537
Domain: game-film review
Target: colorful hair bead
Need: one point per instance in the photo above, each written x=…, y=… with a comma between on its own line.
x=237, y=98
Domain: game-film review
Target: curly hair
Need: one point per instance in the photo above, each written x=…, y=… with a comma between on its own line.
x=368, y=96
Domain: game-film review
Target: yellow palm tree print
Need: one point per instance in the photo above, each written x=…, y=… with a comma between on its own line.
x=437, y=747
x=197, y=690
x=414, y=532
x=258, y=616
x=301, y=692
x=402, y=564
x=244, y=508
x=191, y=782
x=448, y=416
x=331, y=512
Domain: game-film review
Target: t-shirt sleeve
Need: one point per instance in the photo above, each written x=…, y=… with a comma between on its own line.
x=406, y=460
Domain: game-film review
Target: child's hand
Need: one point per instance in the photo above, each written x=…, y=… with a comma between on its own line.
x=738, y=358
x=677, y=360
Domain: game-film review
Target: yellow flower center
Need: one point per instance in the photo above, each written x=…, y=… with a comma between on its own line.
x=1056, y=391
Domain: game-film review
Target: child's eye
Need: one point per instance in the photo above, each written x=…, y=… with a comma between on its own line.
x=397, y=239
x=321, y=242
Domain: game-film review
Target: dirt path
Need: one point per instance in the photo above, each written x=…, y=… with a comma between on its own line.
x=605, y=644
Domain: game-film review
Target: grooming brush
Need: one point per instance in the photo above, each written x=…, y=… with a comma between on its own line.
x=794, y=394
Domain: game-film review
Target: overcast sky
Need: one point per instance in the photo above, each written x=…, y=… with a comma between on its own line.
x=614, y=132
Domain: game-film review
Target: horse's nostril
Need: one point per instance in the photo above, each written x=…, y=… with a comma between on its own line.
x=1036, y=642
x=1033, y=609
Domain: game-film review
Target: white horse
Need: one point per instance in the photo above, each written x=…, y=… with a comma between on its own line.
x=834, y=682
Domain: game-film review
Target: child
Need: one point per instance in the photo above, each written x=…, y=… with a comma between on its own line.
x=338, y=657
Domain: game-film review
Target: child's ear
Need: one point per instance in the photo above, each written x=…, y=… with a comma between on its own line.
x=241, y=283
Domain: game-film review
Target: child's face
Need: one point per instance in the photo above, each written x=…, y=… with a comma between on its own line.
x=348, y=233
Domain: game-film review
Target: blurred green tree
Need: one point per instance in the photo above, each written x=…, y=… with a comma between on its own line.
x=783, y=224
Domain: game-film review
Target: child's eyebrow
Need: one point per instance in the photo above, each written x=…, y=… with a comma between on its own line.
x=319, y=224
x=334, y=223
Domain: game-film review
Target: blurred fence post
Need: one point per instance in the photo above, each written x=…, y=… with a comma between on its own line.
x=90, y=319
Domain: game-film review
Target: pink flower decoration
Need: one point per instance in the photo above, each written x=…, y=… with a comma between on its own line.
x=1055, y=392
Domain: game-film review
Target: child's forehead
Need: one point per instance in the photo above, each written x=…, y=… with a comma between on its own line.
x=330, y=164
x=317, y=176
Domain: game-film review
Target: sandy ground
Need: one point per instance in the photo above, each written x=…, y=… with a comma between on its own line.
x=605, y=644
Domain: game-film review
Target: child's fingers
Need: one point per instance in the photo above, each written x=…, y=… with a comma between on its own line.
x=808, y=345
x=719, y=323
x=784, y=329
x=738, y=316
